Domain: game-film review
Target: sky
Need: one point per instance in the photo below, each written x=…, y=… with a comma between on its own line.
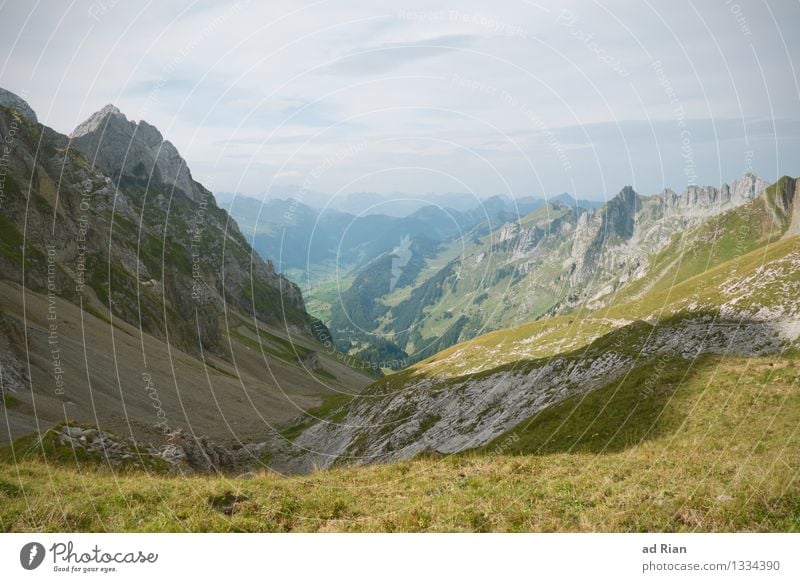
x=509, y=97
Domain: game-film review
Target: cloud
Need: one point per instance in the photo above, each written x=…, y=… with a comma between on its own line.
x=444, y=93
x=387, y=56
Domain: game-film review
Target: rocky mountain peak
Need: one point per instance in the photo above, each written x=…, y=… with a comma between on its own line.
x=97, y=120
x=619, y=214
x=14, y=101
x=136, y=150
x=617, y=221
x=708, y=199
x=627, y=195
x=783, y=201
x=745, y=189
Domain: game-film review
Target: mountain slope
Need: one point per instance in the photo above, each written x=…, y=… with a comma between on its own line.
x=123, y=283
x=553, y=260
x=467, y=395
x=715, y=452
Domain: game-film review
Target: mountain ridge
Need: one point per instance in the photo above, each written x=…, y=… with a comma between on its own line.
x=113, y=279
x=471, y=394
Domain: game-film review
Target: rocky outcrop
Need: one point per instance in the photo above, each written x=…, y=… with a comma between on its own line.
x=708, y=200
x=183, y=453
x=119, y=147
x=13, y=376
x=192, y=453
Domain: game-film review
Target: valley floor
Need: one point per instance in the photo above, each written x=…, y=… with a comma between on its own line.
x=727, y=458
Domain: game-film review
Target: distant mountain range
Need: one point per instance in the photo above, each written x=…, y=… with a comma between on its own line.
x=397, y=204
x=468, y=272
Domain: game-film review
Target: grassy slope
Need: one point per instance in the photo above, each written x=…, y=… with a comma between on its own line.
x=736, y=419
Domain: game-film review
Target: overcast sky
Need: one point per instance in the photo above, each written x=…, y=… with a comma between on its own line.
x=518, y=97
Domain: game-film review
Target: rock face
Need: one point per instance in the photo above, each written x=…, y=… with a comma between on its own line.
x=704, y=201
x=619, y=216
x=119, y=147
x=114, y=218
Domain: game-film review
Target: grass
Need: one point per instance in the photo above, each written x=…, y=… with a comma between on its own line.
x=725, y=459
x=332, y=409
x=10, y=401
x=46, y=450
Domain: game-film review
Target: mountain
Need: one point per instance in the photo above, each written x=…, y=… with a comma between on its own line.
x=742, y=303
x=497, y=275
x=640, y=369
x=345, y=260
x=123, y=284
x=671, y=411
x=301, y=238
x=569, y=200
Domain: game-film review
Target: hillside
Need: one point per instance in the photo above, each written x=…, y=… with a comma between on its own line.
x=472, y=393
x=123, y=284
x=731, y=422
